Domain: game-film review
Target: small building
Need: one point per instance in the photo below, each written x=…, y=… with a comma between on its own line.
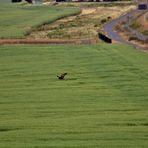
x=142, y=4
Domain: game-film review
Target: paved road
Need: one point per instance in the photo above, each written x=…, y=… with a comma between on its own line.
x=109, y=29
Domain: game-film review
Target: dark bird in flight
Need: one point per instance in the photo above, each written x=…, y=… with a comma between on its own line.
x=61, y=77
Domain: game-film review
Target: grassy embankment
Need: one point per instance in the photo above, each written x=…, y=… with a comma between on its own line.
x=102, y=103
x=141, y=23
x=17, y=21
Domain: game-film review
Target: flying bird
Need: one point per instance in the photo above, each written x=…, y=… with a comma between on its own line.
x=61, y=77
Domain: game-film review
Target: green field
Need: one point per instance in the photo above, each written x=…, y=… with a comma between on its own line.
x=5, y=1
x=17, y=20
x=103, y=103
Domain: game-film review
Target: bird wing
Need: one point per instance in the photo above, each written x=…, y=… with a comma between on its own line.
x=63, y=75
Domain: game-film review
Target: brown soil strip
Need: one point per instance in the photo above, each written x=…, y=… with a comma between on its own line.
x=32, y=41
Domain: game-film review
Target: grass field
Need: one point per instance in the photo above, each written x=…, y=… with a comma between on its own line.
x=103, y=103
x=17, y=20
x=5, y=1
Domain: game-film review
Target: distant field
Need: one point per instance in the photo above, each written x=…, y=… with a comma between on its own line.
x=83, y=26
x=103, y=103
x=17, y=20
x=5, y=1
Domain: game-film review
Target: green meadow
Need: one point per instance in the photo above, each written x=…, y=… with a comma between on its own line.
x=16, y=20
x=5, y=1
x=102, y=103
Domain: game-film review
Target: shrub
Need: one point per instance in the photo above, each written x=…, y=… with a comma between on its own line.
x=132, y=38
x=72, y=24
x=145, y=32
x=135, y=25
x=61, y=26
x=104, y=20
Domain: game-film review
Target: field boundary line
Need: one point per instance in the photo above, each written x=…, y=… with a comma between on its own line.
x=46, y=41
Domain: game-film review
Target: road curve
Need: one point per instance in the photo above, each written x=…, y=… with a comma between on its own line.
x=109, y=29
